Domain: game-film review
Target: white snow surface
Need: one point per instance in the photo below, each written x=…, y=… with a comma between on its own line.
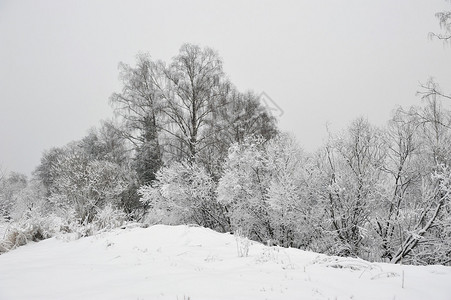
x=183, y=262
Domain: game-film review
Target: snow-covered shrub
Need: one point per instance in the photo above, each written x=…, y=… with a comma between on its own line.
x=183, y=193
x=31, y=227
x=109, y=217
x=35, y=226
x=31, y=218
x=105, y=218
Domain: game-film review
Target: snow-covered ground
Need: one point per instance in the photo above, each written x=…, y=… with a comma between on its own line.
x=181, y=262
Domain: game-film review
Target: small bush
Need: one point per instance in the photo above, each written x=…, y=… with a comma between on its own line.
x=109, y=218
x=106, y=218
x=31, y=228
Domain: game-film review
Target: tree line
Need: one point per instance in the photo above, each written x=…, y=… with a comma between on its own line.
x=186, y=147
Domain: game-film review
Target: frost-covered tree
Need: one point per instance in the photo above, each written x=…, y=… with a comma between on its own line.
x=355, y=163
x=45, y=171
x=399, y=184
x=243, y=189
x=422, y=224
x=291, y=193
x=139, y=106
x=242, y=116
x=86, y=185
x=30, y=199
x=270, y=191
x=10, y=188
x=103, y=148
x=107, y=144
x=425, y=239
x=404, y=224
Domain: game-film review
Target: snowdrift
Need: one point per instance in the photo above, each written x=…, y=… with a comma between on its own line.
x=182, y=262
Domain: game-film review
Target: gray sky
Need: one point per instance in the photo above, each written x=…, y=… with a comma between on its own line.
x=323, y=62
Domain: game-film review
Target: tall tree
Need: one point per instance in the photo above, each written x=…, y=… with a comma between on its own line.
x=197, y=88
x=399, y=183
x=139, y=106
x=425, y=210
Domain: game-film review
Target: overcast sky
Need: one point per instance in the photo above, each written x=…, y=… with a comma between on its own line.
x=322, y=62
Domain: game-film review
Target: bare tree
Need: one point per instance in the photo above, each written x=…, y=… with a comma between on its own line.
x=419, y=157
x=401, y=177
x=197, y=89
x=431, y=88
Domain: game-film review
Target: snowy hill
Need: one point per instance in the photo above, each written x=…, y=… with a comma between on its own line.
x=181, y=262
